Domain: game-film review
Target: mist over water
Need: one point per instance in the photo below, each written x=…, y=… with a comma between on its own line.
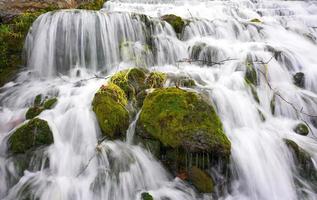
x=66, y=49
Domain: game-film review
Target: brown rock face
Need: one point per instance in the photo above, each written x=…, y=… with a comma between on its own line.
x=11, y=8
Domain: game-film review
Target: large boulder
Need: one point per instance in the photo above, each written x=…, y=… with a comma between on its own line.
x=109, y=105
x=182, y=129
x=175, y=21
x=178, y=118
x=31, y=135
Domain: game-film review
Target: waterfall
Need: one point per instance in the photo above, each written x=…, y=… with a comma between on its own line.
x=221, y=40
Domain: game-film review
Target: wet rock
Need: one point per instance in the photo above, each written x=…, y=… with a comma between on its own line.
x=201, y=180
x=33, y=134
x=299, y=79
x=175, y=21
x=131, y=81
x=301, y=129
x=181, y=119
x=305, y=165
x=109, y=105
x=146, y=196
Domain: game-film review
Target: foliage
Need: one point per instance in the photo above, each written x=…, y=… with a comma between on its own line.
x=12, y=36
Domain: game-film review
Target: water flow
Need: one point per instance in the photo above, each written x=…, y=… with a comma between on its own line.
x=64, y=48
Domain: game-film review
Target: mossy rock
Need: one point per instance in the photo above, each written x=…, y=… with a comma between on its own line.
x=131, y=81
x=33, y=134
x=33, y=112
x=304, y=165
x=48, y=104
x=178, y=118
x=251, y=74
x=201, y=180
x=155, y=80
x=301, y=129
x=186, y=82
x=299, y=79
x=175, y=21
x=109, y=105
x=146, y=196
x=255, y=20
x=40, y=106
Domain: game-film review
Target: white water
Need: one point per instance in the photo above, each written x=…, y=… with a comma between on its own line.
x=66, y=47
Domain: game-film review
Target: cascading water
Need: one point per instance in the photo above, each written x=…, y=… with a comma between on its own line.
x=66, y=49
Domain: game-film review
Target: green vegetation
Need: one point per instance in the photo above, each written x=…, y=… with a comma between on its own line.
x=255, y=20
x=175, y=21
x=155, y=80
x=146, y=196
x=131, y=81
x=12, y=36
x=39, y=106
x=178, y=118
x=94, y=5
x=31, y=135
x=201, y=180
x=109, y=105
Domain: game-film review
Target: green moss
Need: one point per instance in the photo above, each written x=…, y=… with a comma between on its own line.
x=175, y=21
x=146, y=196
x=250, y=74
x=131, y=81
x=178, y=118
x=201, y=180
x=301, y=129
x=94, y=5
x=155, y=80
x=48, y=104
x=33, y=134
x=33, y=112
x=255, y=20
x=109, y=105
x=12, y=36
x=39, y=106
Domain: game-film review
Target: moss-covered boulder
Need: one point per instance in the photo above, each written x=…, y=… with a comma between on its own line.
x=299, y=79
x=109, y=105
x=178, y=118
x=301, y=129
x=131, y=81
x=33, y=134
x=175, y=21
x=201, y=180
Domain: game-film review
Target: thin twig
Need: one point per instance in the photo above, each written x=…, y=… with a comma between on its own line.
x=209, y=63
